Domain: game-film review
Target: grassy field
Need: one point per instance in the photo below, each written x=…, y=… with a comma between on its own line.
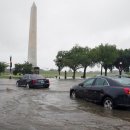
x=53, y=74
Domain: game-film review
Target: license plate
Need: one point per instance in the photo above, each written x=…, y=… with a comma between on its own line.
x=41, y=81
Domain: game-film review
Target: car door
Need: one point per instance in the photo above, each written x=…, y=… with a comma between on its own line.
x=98, y=88
x=24, y=79
x=80, y=91
x=87, y=87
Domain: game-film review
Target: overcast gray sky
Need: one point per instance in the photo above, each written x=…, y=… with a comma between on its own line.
x=61, y=25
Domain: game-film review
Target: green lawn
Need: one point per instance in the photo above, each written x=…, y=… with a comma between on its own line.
x=53, y=74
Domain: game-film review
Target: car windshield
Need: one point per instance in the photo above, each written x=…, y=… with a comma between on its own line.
x=123, y=80
x=36, y=76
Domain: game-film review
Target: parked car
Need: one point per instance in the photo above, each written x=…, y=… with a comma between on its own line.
x=33, y=81
x=110, y=92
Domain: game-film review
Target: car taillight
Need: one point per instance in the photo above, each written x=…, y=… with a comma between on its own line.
x=47, y=80
x=34, y=81
x=127, y=90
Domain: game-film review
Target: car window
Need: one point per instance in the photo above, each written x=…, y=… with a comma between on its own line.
x=105, y=83
x=124, y=81
x=100, y=82
x=36, y=76
x=88, y=82
x=25, y=76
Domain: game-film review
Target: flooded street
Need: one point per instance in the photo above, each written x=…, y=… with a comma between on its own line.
x=53, y=109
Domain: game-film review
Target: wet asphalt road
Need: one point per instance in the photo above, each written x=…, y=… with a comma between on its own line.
x=52, y=109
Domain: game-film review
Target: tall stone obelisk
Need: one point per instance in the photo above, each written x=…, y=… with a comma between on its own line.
x=32, y=46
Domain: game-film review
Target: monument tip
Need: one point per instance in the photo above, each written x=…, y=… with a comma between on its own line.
x=33, y=4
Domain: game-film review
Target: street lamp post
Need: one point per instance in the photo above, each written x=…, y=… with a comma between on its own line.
x=10, y=67
x=120, y=69
x=65, y=74
x=59, y=68
x=101, y=68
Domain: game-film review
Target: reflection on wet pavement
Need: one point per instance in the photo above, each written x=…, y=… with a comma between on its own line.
x=52, y=109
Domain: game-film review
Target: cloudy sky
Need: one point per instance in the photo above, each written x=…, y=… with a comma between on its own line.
x=61, y=24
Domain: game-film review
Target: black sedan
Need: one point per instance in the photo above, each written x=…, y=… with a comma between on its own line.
x=110, y=92
x=33, y=81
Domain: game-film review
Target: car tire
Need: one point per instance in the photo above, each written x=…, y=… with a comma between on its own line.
x=47, y=86
x=73, y=94
x=28, y=86
x=108, y=103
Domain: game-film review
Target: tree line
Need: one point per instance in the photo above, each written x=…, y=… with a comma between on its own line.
x=108, y=56
x=3, y=66
x=25, y=68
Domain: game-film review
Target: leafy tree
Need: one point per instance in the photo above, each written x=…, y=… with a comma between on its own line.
x=72, y=59
x=59, y=61
x=124, y=59
x=25, y=68
x=107, y=55
x=85, y=59
x=3, y=67
x=18, y=69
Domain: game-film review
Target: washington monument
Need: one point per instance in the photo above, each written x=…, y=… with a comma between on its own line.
x=32, y=46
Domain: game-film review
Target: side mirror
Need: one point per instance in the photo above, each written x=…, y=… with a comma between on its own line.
x=81, y=84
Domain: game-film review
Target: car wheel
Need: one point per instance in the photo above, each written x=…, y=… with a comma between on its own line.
x=27, y=86
x=73, y=94
x=108, y=103
x=46, y=86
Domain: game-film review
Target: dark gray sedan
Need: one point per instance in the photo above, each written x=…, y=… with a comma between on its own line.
x=111, y=92
x=33, y=81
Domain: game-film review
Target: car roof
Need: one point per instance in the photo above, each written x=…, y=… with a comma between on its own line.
x=34, y=75
x=115, y=80
x=123, y=80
